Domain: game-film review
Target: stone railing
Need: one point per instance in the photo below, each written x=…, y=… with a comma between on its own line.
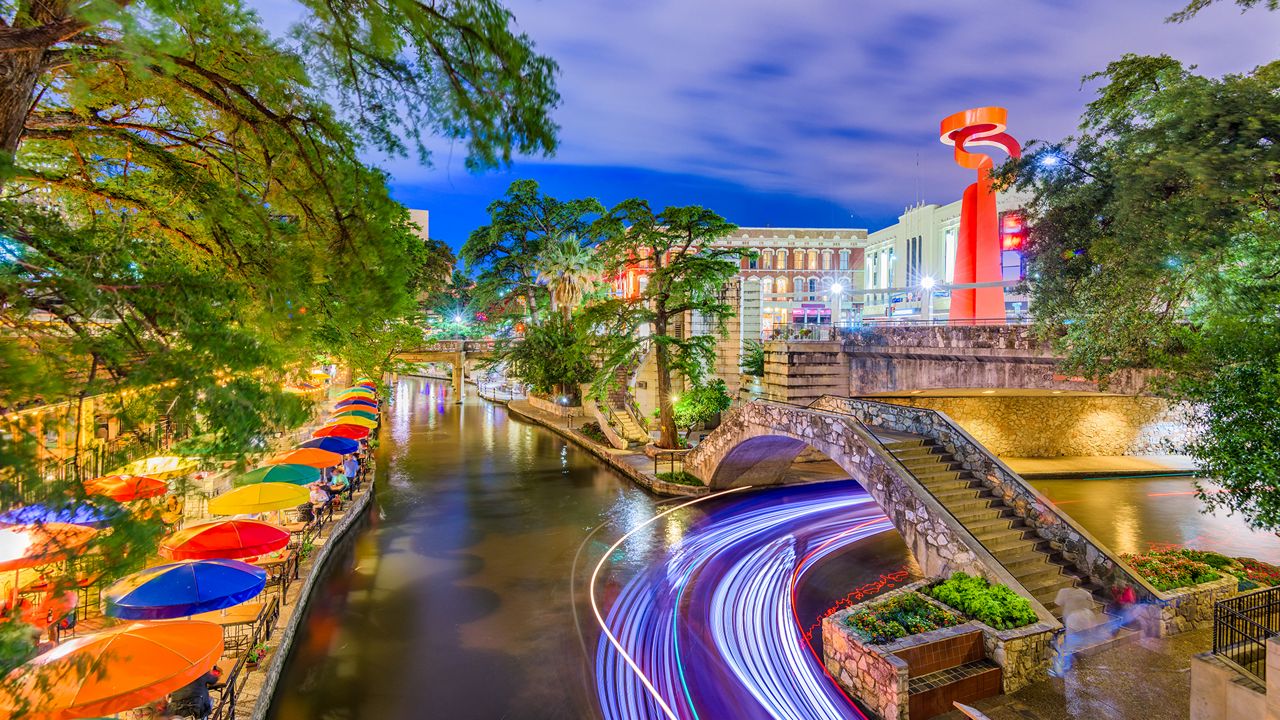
x=551, y=407
x=1064, y=534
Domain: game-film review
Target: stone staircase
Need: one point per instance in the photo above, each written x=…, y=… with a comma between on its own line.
x=1027, y=557
x=627, y=426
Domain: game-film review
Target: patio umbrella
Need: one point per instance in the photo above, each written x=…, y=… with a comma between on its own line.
x=349, y=420
x=357, y=392
x=41, y=514
x=111, y=671
x=163, y=467
x=353, y=432
x=368, y=385
x=314, y=457
x=184, y=588
x=284, y=473
x=340, y=445
x=257, y=498
x=357, y=402
x=355, y=413
x=124, y=488
x=24, y=546
x=229, y=539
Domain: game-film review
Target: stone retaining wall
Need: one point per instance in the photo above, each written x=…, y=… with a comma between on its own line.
x=551, y=407
x=1189, y=608
x=1050, y=523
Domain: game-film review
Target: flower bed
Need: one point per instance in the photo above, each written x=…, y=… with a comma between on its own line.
x=1183, y=567
x=593, y=433
x=995, y=605
x=898, y=617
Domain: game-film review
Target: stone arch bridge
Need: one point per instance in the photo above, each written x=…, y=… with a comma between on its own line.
x=957, y=506
x=451, y=352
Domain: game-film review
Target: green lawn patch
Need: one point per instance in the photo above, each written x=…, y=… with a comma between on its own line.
x=680, y=477
x=993, y=604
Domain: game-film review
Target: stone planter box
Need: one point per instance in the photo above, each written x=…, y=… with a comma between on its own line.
x=879, y=675
x=1187, y=608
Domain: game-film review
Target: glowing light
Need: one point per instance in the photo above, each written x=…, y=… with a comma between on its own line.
x=457, y=318
x=1048, y=160
x=927, y=282
x=837, y=288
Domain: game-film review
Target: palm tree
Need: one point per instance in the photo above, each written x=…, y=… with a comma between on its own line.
x=568, y=269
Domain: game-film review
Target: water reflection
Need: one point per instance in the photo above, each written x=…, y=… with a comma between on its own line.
x=1133, y=515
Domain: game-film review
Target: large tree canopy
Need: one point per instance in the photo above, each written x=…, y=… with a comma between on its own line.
x=1155, y=243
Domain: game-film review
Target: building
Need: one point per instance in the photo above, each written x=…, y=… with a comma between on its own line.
x=797, y=276
x=916, y=257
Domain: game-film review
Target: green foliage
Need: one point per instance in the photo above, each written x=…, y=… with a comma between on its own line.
x=680, y=477
x=593, y=433
x=1170, y=569
x=898, y=617
x=568, y=270
x=995, y=605
x=701, y=404
x=753, y=358
x=673, y=250
x=523, y=227
x=1155, y=244
x=1195, y=6
x=554, y=357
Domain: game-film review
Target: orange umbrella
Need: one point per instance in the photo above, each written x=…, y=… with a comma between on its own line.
x=123, y=488
x=25, y=546
x=111, y=671
x=224, y=539
x=314, y=457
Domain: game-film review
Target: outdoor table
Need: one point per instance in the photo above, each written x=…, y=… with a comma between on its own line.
x=233, y=621
x=87, y=590
x=280, y=570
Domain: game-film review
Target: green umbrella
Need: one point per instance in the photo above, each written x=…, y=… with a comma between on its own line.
x=357, y=413
x=287, y=473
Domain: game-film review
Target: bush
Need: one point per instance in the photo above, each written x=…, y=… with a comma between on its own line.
x=593, y=433
x=680, y=477
x=701, y=404
x=898, y=617
x=995, y=605
x=1171, y=569
x=753, y=358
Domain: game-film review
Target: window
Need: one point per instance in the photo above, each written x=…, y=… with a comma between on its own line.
x=753, y=263
x=813, y=287
x=813, y=259
x=844, y=259
x=826, y=259
x=782, y=286
x=782, y=259
x=949, y=253
x=766, y=259
x=915, y=253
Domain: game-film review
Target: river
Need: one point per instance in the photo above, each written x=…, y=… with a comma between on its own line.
x=470, y=595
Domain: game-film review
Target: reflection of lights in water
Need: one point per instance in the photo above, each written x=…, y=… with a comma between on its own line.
x=564, y=457
x=731, y=579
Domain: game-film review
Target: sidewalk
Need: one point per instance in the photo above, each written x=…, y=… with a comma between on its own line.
x=632, y=463
x=1101, y=466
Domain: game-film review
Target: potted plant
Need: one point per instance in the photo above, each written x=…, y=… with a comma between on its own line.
x=255, y=655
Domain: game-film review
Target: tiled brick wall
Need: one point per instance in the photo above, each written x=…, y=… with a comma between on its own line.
x=943, y=654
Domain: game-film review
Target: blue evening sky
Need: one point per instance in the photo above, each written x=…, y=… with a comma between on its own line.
x=814, y=113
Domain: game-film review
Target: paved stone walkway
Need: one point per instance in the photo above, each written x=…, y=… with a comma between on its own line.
x=1100, y=465
x=1146, y=679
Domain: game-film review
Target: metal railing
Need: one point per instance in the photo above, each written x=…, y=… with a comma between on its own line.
x=668, y=461
x=234, y=683
x=1241, y=627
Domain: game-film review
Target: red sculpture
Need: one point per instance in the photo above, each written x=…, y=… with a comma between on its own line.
x=978, y=247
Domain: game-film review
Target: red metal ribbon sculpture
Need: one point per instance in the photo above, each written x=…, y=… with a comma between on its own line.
x=978, y=247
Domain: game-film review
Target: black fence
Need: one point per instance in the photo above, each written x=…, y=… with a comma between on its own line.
x=1241, y=627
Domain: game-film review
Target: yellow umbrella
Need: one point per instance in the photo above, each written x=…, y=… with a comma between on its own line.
x=161, y=467
x=258, y=498
x=352, y=420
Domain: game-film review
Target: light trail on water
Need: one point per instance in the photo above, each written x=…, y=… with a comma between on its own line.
x=711, y=630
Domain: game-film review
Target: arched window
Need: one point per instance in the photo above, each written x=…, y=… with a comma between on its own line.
x=782, y=260
x=782, y=285
x=813, y=286
x=813, y=259
x=826, y=259
x=766, y=259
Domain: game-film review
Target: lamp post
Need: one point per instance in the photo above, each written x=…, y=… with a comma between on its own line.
x=926, y=306
x=568, y=416
x=836, y=289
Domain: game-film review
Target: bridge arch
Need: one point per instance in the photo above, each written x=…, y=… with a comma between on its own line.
x=757, y=442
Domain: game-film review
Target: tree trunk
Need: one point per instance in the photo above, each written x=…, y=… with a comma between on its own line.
x=666, y=412
x=19, y=73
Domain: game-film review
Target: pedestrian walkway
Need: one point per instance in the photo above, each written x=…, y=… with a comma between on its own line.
x=1101, y=466
x=1145, y=679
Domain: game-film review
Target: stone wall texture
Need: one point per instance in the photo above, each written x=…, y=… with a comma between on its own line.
x=879, y=680
x=1065, y=425
x=1065, y=535
x=1190, y=608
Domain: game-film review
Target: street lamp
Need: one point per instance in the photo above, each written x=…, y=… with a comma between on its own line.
x=836, y=289
x=568, y=417
x=927, y=283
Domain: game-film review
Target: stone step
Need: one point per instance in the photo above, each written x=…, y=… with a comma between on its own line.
x=965, y=505
x=936, y=486
x=976, y=516
x=960, y=494
x=939, y=474
x=1009, y=549
x=981, y=528
x=1025, y=562
x=1036, y=576
x=896, y=445
x=917, y=452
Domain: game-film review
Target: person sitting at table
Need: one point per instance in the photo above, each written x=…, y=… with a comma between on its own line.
x=192, y=700
x=351, y=468
x=319, y=497
x=171, y=515
x=338, y=483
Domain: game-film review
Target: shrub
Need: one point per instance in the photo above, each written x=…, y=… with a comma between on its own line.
x=1257, y=574
x=593, y=433
x=898, y=617
x=1217, y=561
x=995, y=605
x=1171, y=569
x=753, y=358
x=680, y=477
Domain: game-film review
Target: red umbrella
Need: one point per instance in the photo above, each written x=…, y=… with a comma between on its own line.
x=32, y=545
x=123, y=488
x=226, y=539
x=355, y=432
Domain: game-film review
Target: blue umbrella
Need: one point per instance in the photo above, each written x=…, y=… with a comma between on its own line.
x=40, y=514
x=356, y=402
x=340, y=445
x=184, y=588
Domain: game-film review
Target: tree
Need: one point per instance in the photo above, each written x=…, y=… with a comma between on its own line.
x=685, y=274
x=568, y=269
x=554, y=357
x=523, y=226
x=753, y=358
x=1155, y=244
x=701, y=404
